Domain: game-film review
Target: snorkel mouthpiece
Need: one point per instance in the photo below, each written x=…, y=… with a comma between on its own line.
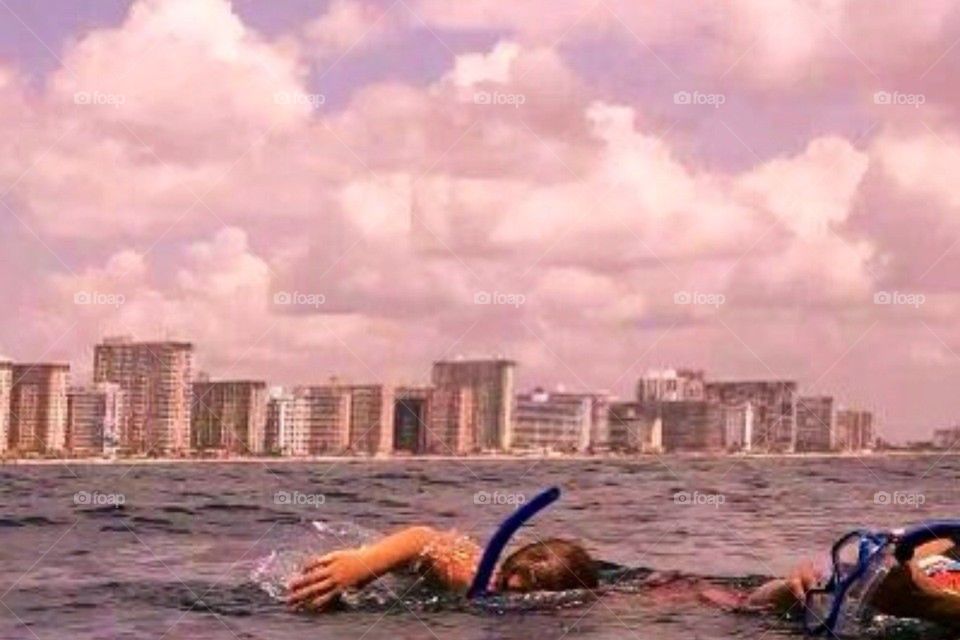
x=488, y=562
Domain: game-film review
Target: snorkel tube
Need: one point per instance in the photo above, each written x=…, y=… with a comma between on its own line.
x=488, y=562
x=844, y=601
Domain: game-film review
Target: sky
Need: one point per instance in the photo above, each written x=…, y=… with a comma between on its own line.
x=596, y=188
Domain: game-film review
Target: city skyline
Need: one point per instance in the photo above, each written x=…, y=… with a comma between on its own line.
x=146, y=399
x=366, y=184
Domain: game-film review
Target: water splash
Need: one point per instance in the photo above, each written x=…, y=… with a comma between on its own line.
x=290, y=552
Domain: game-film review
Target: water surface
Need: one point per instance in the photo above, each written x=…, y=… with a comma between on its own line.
x=175, y=560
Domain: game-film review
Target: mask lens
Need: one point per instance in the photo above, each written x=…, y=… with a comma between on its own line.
x=818, y=603
x=847, y=558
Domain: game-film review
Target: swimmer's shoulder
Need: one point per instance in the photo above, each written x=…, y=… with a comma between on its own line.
x=449, y=559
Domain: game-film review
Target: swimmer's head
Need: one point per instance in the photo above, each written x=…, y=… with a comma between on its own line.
x=549, y=565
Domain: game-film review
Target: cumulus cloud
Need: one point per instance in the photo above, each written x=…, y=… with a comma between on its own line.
x=185, y=161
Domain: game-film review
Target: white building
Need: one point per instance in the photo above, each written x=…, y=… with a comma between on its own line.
x=560, y=422
x=94, y=419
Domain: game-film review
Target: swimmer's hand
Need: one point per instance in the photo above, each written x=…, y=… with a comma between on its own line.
x=788, y=594
x=323, y=579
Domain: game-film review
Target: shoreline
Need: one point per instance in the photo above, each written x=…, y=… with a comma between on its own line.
x=17, y=462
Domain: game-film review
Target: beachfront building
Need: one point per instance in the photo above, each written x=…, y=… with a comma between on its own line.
x=547, y=422
x=772, y=410
x=371, y=419
x=453, y=421
x=229, y=417
x=491, y=398
x=816, y=424
x=6, y=385
x=738, y=427
x=670, y=385
x=854, y=430
x=412, y=407
x=156, y=379
x=38, y=408
x=313, y=420
x=599, y=438
x=948, y=438
x=692, y=426
x=95, y=415
x=634, y=427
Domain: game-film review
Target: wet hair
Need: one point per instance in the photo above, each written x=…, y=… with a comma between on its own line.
x=548, y=565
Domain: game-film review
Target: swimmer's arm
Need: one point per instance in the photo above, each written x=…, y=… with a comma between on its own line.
x=786, y=594
x=322, y=579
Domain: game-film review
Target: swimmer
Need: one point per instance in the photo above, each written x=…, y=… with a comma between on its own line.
x=449, y=561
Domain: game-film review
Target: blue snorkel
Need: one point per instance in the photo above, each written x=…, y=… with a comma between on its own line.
x=844, y=601
x=488, y=562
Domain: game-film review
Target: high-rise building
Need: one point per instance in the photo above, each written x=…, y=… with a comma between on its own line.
x=491, y=389
x=229, y=416
x=280, y=410
x=738, y=427
x=692, y=425
x=156, y=378
x=560, y=422
x=948, y=438
x=38, y=407
x=670, y=385
x=854, y=430
x=320, y=421
x=773, y=406
x=453, y=421
x=411, y=419
x=599, y=439
x=94, y=419
x=635, y=428
x=6, y=384
x=816, y=424
x=371, y=419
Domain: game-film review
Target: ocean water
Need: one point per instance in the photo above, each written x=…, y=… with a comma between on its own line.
x=185, y=550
